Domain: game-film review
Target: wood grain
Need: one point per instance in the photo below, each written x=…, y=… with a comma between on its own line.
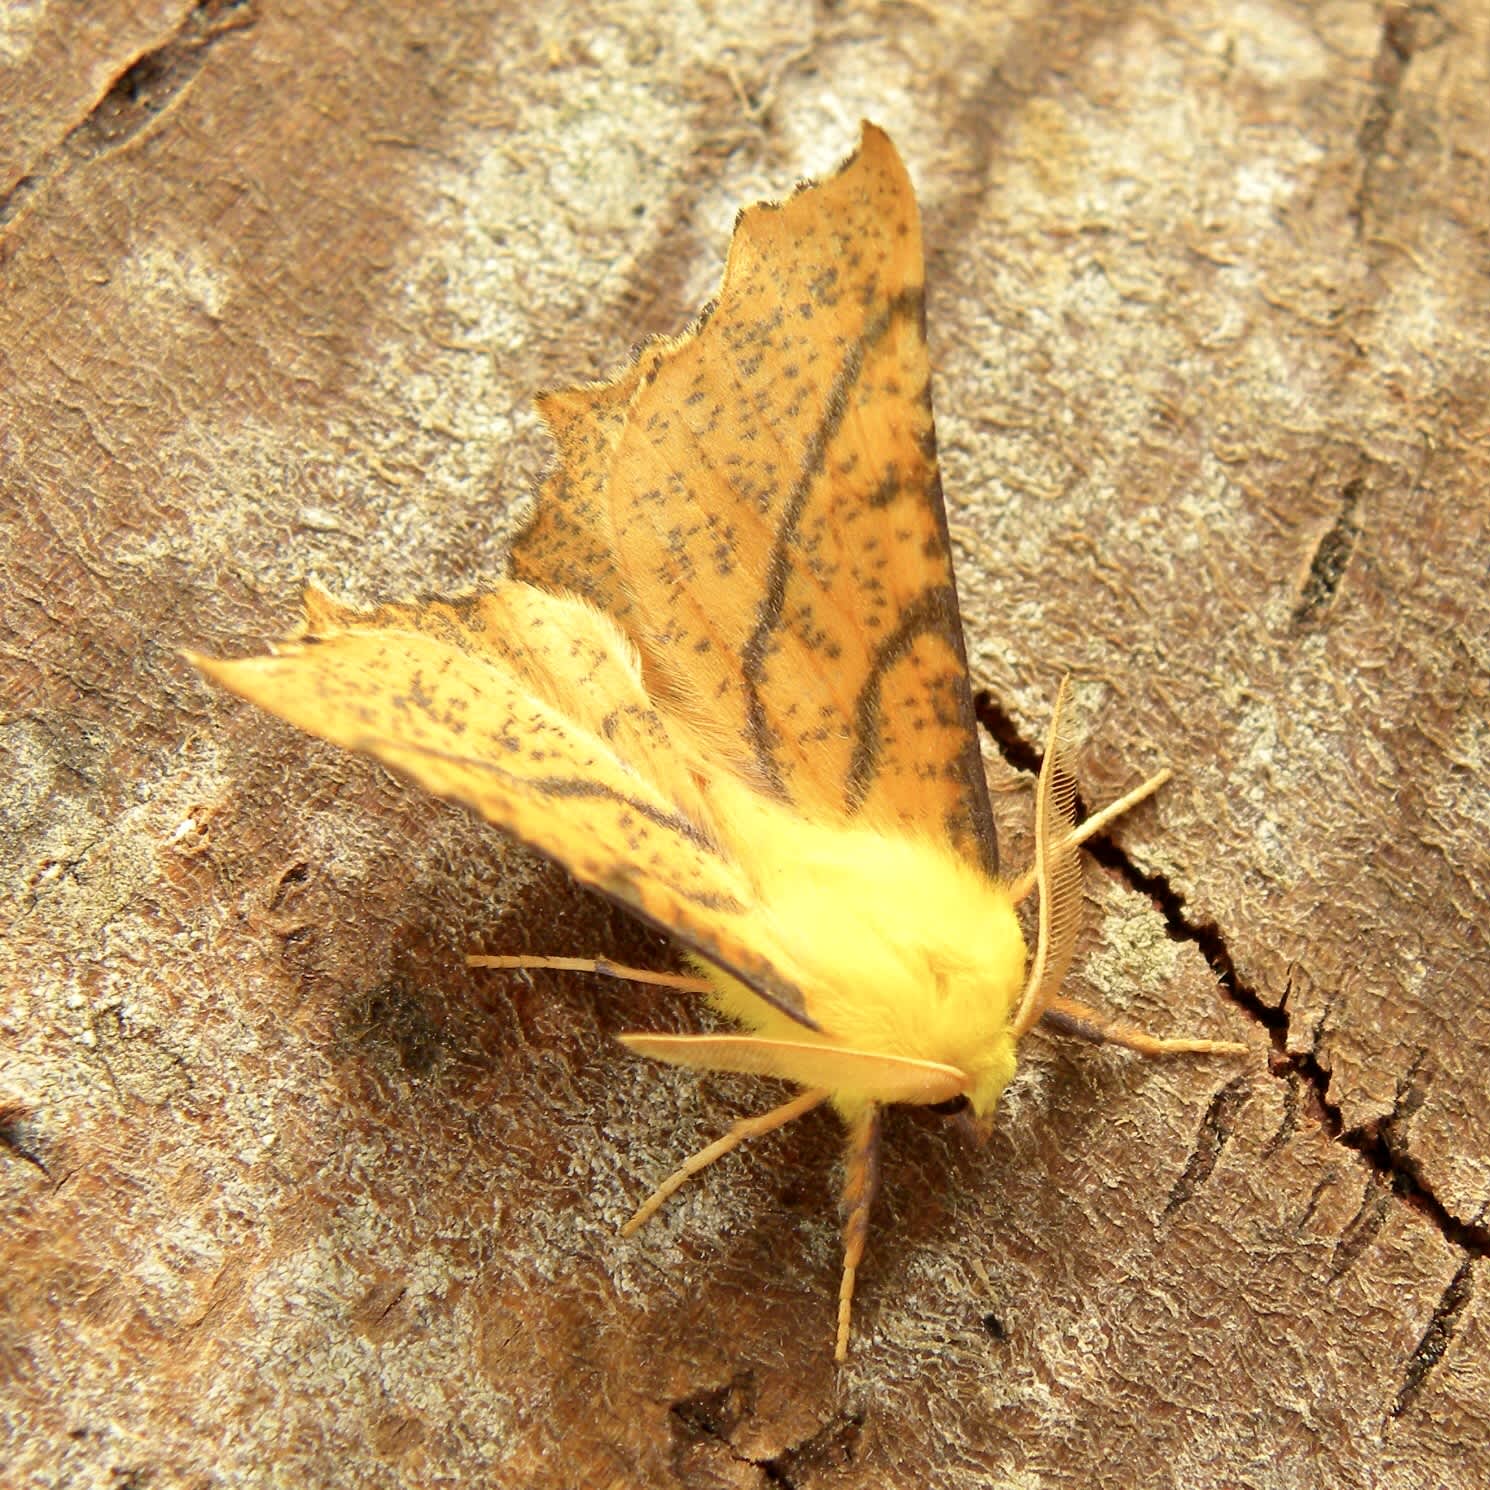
x=292, y=1196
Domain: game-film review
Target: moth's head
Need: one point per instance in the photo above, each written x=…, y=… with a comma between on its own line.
x=975, y=1104
x=972, y=1110
x=991, y=1075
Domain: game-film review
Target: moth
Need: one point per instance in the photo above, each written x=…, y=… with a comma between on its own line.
x=725, y=684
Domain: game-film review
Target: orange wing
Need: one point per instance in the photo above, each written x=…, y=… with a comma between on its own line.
x=758, y=505
x=528, y=708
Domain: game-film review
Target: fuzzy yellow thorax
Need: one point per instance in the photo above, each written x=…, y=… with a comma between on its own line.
x=900, y=946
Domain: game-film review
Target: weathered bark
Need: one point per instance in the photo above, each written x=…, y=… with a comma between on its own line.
x=293, y=1197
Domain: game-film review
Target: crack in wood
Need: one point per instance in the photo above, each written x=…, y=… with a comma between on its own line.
x=1410, y=1095
x=1331, y=556
x=1360, y=1231
x=1005, y=733
x=1288, y=1126
x=832, y=1447
x=716, y=1412
x=1327, y=1181
x=1372, y=1142
x=153, y=80
x=1214, y=1134
x=1396, y=45
x=1393, y=54
x=1375, y=1143
x=1434, y=1343
x=713, y=1416
x=18, y=1135
x=139, y=93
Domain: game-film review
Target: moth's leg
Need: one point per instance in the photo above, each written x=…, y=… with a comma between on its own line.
x=596, y=965
x=861, y=1181
x=751, y=1127
x=1099, y=820
x=1095, y=824
x=1092, y=1025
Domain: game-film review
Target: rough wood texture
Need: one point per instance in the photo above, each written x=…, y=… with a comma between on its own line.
x=290, y=1197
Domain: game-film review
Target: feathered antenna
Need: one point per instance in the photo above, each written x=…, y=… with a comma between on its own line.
x=1057, y=871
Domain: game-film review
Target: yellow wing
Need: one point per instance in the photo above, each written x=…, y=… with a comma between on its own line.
x=529, y=708
x=758, y=504
x=835, y=1068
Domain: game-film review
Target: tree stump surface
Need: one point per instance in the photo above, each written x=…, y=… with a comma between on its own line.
x=292, y=1197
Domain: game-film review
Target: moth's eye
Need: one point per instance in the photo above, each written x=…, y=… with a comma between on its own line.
x=951, y=1107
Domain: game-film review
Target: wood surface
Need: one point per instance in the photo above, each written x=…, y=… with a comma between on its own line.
x=291, y=1197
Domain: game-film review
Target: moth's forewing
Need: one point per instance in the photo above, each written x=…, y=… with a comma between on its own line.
x=759, y=502
x=528, y=708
